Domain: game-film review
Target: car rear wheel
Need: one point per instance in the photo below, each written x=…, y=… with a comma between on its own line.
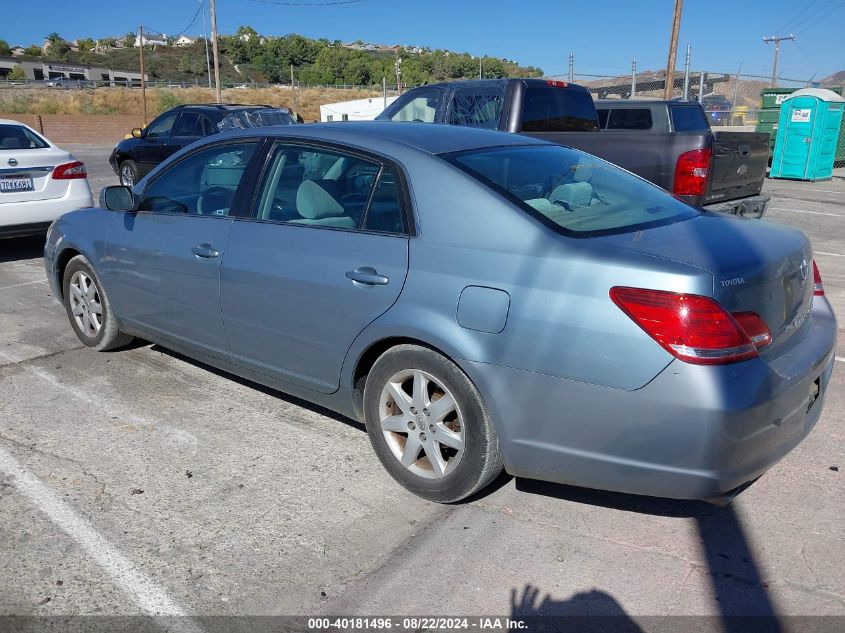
x=88, y=308
x=128, y=173
x=429, y=425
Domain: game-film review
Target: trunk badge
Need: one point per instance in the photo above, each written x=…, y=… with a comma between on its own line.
x=804, y=269
x=742, y=169
x=13, y=161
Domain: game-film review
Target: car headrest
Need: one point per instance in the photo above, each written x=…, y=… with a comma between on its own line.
x=313, y=202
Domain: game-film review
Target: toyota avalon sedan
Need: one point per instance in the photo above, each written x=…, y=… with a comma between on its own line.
x=479, y=300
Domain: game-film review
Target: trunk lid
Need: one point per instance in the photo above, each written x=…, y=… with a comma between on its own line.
x=26, y=174
x=756, y=266
x=738, y=166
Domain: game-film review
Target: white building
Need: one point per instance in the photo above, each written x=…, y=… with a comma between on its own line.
x=356, y=110
x=185, y=40
x=151, y=41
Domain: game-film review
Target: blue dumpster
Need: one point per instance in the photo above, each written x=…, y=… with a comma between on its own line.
x=808, y=130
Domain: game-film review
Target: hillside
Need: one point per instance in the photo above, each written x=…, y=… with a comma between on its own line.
x=248, y=57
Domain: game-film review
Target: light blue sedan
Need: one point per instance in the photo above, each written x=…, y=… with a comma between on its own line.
x=480, y=300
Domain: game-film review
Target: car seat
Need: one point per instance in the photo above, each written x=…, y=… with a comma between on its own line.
x=318, y=207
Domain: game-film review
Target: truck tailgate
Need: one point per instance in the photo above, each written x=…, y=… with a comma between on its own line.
x=738, y=167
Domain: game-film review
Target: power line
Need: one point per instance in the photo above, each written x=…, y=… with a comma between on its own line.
x=194, y=19
x=309, y=4
x=810, y=16
x=789, y=22
x=824, y=17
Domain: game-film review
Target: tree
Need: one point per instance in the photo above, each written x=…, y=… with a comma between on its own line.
x=129, y=39
x=85, y=44
x=54, y=38
x=4, y=48
x=17, y=73
x=33, y=50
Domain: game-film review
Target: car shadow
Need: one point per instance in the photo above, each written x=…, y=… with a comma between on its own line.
x=20, y=248
x=266, y=390
x=739, y=589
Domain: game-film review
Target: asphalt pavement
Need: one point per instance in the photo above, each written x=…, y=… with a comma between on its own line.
x=141, y=482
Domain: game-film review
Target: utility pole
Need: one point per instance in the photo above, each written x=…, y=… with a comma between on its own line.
x=571, y=67
x=205, y=37
x=633, y=78
x=143, y=82
x=293, y=90
x=673, y=50
x=686, y=73
x=217, y=92
x=384, y=91
x=399, y=74
x=777, y=39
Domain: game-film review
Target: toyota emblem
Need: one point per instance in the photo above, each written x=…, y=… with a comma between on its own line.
x=13, y=161
x=804, y=269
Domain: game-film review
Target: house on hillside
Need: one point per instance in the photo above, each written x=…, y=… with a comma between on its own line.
x=151, y=41
x=17, y=51
x=185, y=40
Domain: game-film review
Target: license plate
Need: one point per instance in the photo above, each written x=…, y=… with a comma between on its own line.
x=15, y=184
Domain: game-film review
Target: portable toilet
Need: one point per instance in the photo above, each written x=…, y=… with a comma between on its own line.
x=808, y=130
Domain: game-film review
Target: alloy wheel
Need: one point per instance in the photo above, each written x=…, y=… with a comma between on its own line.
x=422, y=424
x=85, y=304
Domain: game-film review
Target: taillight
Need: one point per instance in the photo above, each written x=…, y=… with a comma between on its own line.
x=755, y=327
x=554, y=83
x=818, y=286
x=691, y=172
x=69, y=171
x=692, y=328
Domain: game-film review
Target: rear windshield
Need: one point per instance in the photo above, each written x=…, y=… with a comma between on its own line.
x=548, y=109
x=19, y=137
x=571, y=191
x=689, y=119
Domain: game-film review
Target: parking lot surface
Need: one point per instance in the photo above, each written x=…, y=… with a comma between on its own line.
x=142, y=482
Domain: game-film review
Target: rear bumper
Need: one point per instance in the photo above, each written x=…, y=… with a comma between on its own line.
x=750, y=207
x=694, y=432
x=42, y=212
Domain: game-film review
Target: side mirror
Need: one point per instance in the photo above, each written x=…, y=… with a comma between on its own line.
x=117, y=198
x=137, y=132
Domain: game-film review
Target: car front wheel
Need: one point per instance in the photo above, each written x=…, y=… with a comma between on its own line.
x=128, y=173
x=429, y=425
x=88, y=308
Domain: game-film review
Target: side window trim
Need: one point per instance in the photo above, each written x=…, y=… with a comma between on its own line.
x=237, y=201
x=249, y=203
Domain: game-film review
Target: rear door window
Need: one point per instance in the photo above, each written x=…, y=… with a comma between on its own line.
x=476, y=107
x=629, y=119
x=553, y=109
x=689, y=118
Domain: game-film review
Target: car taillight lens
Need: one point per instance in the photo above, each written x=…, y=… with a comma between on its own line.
x=69, y=171
x=692, y=328
x=755, y=327
x=691, y=172
x=818, y=286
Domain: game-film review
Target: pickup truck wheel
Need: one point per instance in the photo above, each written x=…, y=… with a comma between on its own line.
x=88, y=308
x=429, y=425
x=128, y=173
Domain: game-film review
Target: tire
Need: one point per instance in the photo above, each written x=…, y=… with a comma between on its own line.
x=128, y=173
x=88, y=308
x=467, y=456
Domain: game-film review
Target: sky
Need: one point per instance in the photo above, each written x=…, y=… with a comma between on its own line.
x=604, y=37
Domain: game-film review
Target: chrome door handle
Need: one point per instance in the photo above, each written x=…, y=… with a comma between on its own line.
x=205, y=251
x=367, y=276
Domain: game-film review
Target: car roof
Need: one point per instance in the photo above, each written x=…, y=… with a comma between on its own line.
x=386, y=136
x=485, y=83
x=633, y=103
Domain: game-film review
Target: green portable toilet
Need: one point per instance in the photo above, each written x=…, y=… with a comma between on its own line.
x=808, y=130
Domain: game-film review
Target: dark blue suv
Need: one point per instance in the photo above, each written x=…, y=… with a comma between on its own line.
x=134, y=157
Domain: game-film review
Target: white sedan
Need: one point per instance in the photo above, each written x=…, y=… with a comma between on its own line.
x=38, y=181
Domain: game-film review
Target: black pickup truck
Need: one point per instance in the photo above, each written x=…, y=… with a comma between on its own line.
x=666, y=142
